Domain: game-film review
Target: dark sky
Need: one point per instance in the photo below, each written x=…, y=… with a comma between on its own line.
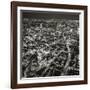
x=49, y=15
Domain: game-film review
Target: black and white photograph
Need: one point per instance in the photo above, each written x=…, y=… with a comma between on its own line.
x=49, y=44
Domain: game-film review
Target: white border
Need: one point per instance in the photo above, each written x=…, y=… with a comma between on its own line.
x=59, y=78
